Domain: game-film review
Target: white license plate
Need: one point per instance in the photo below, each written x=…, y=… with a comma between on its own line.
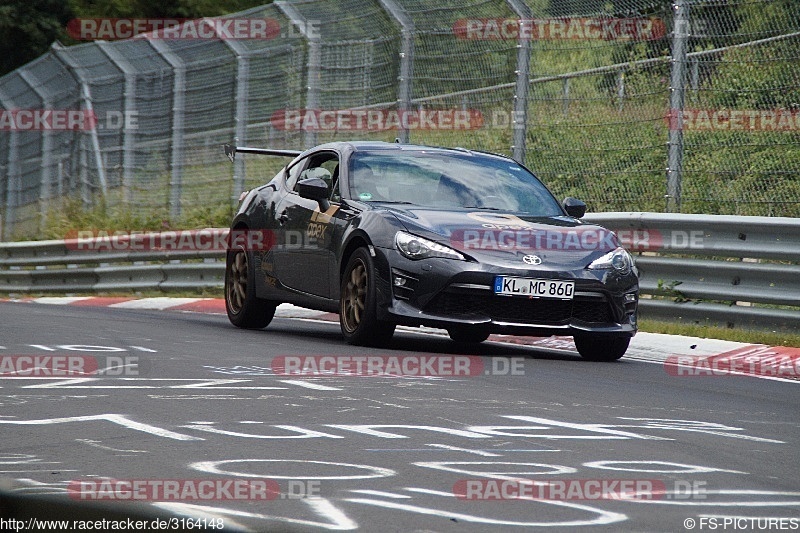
x=534, y=288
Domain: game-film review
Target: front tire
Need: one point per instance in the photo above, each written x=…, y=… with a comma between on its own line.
x=244, y=309
x=599, y=348
x=358, y=302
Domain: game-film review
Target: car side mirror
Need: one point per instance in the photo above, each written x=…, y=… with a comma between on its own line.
x=315, y=189
x=574, y=207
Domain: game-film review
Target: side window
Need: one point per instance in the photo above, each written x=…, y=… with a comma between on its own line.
x=294, y=174
x=328, y=161
x=335, y=194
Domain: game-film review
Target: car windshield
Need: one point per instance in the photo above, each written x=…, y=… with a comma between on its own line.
x=449, y=180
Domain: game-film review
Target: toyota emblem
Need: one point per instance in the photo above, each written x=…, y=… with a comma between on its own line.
x=532, y=260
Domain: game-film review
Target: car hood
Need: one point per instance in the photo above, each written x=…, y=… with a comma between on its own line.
x=500, y=237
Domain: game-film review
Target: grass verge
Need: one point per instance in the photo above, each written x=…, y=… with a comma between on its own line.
x=751, y=336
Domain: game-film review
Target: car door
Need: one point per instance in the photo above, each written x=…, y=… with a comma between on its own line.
x=305, y=260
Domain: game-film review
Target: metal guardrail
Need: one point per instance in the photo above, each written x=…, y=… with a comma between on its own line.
x=712, y=269
x=708, y=269
x=111, y=264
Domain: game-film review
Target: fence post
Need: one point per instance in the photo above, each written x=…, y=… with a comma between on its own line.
x=404, y=89
x=178, y=110
x=47, y=152
x=520, y=119
x=680, y=35
x=313, y=66
x=12, y=175
x=86, y=96
x=240, y=115
x=129, y=106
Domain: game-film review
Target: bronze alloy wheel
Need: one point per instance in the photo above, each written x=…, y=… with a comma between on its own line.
x=244, y=308
x=358, y=315
x=355, y=296
x=236, y=290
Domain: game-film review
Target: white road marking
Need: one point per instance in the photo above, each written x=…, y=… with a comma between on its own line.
x=302, y=433
x=159, y=303
x=711, y=428
x=96, y=444
x=213, y=384
x=307, y=384
x=541, y=468
x=113, y=418
x=592, y=428
x=678, y=467
x=706, y=502
x=457, y=449
x=60, y=300
x=604, y=517
x=212, y=467
x=24, y=471
x=382, y=493
x=368, y=430
x=336, y=519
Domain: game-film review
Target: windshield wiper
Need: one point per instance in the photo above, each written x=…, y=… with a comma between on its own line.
x=484, y=207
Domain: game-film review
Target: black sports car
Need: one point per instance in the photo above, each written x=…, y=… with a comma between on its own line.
x=386, y=234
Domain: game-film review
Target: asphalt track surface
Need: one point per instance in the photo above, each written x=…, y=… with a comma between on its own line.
x=389, y=453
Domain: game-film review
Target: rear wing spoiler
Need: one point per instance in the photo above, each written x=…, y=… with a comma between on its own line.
x=230, y=151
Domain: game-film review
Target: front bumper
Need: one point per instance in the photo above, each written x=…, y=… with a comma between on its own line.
x=446, y=293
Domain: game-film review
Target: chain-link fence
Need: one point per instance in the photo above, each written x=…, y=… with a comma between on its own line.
x=689, y=106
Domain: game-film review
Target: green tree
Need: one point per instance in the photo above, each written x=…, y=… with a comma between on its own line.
x=29, y=27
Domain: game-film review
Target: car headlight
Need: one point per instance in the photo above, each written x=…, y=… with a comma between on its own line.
x=415, y=247
x=618, y=259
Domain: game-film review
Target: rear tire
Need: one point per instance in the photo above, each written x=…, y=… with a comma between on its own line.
x=244, y=309
x=468, y=335
x=358, y=303
x=601, y=348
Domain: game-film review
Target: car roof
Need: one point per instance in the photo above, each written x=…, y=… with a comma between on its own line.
x=363, y=146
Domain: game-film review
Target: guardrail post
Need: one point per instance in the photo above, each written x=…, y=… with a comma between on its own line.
x=680, y=36
x=178, y=119
x=404, y=89
x=314, y=64
x=520, y=119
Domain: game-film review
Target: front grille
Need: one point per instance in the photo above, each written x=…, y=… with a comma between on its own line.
x=519, y=310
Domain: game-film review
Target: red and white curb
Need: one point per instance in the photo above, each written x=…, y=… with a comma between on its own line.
x=649, y=347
